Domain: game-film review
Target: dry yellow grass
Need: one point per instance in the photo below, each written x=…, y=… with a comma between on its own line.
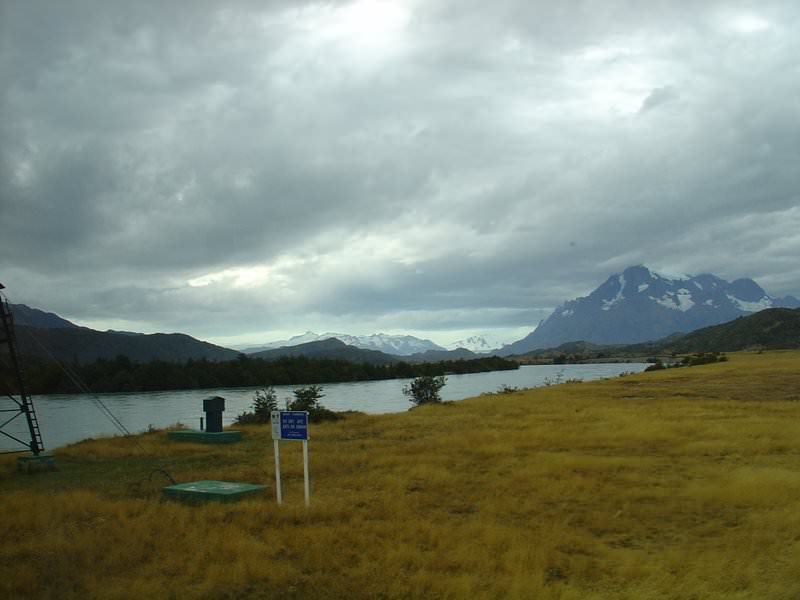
x=675, y=484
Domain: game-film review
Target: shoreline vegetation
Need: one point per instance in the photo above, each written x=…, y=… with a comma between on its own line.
x=124, y=375
x=673, y=484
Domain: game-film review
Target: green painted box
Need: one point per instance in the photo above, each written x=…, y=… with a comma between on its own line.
x=208, y=490
x=35, y=464
x=205, y=437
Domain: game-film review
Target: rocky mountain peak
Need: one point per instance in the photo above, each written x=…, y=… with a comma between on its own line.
x=640, y=304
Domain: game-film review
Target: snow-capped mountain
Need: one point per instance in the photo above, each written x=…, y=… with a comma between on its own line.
x=638, y=305
x=400, y=345
x=479, y=344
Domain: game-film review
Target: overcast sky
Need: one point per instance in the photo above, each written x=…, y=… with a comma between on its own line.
x=246, y=171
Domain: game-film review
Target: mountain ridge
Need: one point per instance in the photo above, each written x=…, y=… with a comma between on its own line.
x=640, y=305
x=50, y=337
x=635, y=306
x=84, y=345
x=328, y=348
x=479, y=344
x=398, y=345
x=768, y=329
x=337, y=349
x=33, y=317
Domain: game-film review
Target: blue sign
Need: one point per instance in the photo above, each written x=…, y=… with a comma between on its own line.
x=289, y=425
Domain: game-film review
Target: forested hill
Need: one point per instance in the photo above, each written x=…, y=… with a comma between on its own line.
x=83, y=345
x=123, y=375
x=771, y=329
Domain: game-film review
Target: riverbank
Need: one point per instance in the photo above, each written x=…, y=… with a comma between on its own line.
x=671, y=484
x=66, y=419
x=125, y=375
x=527, y=360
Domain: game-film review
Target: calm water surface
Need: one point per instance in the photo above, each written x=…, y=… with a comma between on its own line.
x=65, y=419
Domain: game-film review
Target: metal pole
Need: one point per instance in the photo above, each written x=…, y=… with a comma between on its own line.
x=305, y=473
x=277, y=447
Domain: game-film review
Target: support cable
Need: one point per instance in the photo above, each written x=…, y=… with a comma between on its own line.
x=76, y=379
x=78, y=382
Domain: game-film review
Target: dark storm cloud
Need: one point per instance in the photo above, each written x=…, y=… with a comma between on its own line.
x=223, y=168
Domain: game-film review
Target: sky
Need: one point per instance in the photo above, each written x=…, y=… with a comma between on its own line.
x=246, y=171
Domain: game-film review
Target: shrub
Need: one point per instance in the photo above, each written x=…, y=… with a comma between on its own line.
x=557, y=379
x=425, y=389
x=264, y=402
x=507, y=389
x=307, y=399
x=702, y=358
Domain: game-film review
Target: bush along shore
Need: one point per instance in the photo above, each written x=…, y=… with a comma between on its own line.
x=124, y=375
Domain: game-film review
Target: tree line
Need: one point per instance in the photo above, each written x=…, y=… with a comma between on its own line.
x=124, y=375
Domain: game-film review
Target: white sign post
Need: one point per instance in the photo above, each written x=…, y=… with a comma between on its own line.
x=277, y=448
x=306, y=483
x=290, y=425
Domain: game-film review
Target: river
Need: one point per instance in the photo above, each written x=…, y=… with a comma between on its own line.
x=68, y=418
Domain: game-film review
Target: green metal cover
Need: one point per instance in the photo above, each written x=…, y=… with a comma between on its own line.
x=34, y=464
x=205, y=437
x=206, y=490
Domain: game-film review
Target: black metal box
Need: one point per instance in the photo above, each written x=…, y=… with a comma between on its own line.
x=214, y=404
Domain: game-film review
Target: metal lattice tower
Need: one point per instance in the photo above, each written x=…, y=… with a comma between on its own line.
x=13, y=385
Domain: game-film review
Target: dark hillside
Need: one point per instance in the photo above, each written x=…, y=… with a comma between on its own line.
x=439, y=355
x=771, y=329
x=33, y=317
x=330, y=349
x=80, y=345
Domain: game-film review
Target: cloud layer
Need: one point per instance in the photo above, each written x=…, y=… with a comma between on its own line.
x=246, y=170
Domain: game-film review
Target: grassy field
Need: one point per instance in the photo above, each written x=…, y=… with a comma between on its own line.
x=681, y=484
